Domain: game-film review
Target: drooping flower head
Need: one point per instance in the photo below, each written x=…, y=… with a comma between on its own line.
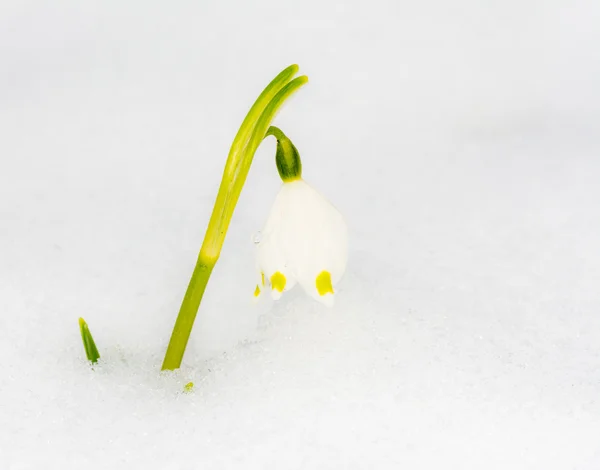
x=305, y=238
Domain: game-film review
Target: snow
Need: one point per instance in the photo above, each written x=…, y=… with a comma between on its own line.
x=460, y=139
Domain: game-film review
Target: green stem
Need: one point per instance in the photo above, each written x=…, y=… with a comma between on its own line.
x=187, y=314
x=242, y=151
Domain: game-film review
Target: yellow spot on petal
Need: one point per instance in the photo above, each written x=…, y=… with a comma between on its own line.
x=189, y=387
x=278, y=281
x=324, y=283
x=257, y=291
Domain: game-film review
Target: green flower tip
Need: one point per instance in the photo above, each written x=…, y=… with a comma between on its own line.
x=189, y=387
x=91, y=351
x=287, y=158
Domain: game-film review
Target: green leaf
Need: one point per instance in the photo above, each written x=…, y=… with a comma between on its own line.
x=91, y=351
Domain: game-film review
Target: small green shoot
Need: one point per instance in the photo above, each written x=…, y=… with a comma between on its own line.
x=91, y=351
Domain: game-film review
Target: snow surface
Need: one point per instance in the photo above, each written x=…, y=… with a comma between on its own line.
x=460, y=139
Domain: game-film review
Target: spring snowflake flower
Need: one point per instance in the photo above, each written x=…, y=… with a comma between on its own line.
x=249, y=136
x=305, y=239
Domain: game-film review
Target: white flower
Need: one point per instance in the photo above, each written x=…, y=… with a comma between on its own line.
x=305, y=240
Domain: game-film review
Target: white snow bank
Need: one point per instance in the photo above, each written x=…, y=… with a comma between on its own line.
x=461, y=144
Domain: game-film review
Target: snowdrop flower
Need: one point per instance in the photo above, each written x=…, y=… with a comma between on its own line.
x=305, y=238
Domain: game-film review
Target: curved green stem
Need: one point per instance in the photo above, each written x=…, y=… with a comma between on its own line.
x=242, y=151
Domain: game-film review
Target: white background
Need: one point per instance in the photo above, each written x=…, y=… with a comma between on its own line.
x=461, y=141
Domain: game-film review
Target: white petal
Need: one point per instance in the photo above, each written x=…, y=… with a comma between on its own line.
x=327, y=299
x=316, y=233
x=271, y=255
x=304, y=236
